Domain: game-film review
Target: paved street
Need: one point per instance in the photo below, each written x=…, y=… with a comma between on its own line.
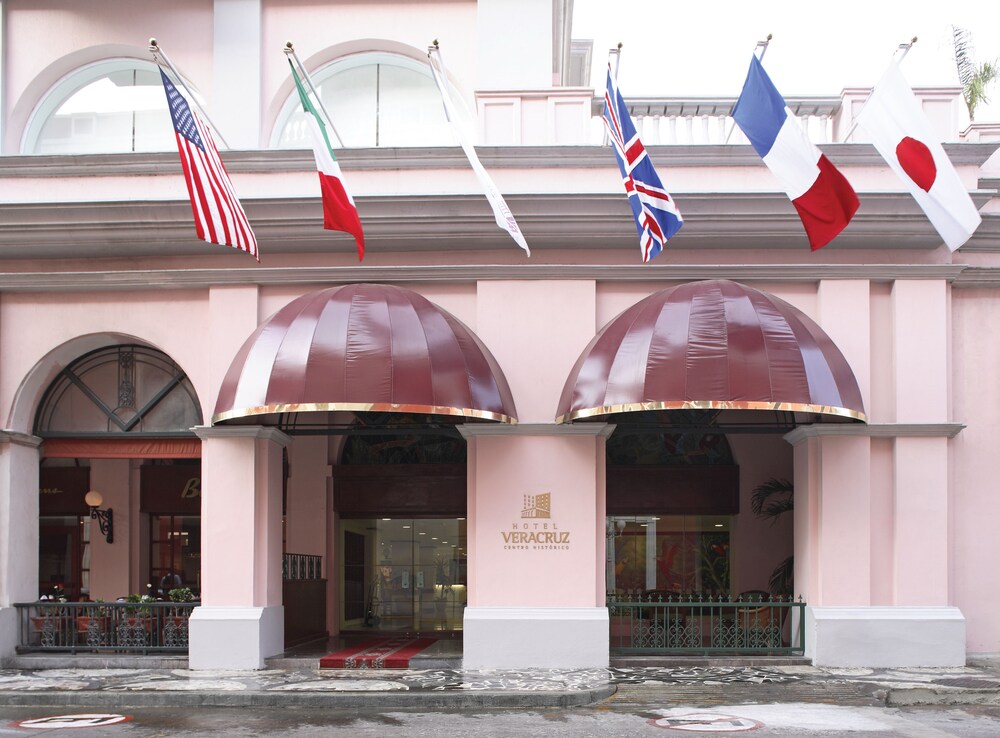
x=793, y=700
x=605, y=719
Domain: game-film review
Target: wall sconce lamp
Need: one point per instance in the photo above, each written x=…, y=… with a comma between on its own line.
x=105, y=518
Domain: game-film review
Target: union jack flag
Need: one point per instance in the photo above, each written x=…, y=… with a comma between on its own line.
x=218, y=214
x=656, y=216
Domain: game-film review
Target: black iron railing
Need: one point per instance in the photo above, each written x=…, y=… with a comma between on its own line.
x=301, y=566
x=654, y=622
x=119, y=627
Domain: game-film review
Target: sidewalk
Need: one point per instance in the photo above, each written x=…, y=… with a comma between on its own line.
x=304, y=685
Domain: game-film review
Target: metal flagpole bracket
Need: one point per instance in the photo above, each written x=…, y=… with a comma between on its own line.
x=617, y=54
x=290, y=52
x=161, y=59
x=905, y=48
x=762, y=45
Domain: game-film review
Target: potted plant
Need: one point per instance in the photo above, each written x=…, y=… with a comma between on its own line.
x=140, y=609
x=50, y=616
x=180, y=595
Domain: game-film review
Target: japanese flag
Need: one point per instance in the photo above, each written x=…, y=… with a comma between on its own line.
x=902, y=134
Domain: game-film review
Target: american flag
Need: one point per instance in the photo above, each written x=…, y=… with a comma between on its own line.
x=656, y=215
x=218, y=215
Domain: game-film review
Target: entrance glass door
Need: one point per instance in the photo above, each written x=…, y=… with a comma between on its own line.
x=416, y=575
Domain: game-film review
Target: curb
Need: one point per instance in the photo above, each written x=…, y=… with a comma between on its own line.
x=436, y=699
x=913, y=696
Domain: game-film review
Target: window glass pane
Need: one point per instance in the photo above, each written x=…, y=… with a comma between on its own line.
x=679, y=554
x=410, y=110
x=123, y=111
x=375, y=100
x=350, y=98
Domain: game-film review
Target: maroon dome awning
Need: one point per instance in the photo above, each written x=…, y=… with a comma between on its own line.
x=711, y=345
x=365, y=348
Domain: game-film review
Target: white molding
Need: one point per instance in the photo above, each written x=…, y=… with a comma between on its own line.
x=885, y=636
x=235, y=637
x=444, y=157
x=536, y=637
x=256, y=432
x=20, y=439
x=107, y=281
x=875, y=430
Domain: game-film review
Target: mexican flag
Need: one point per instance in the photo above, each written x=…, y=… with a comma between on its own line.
x=339, y=212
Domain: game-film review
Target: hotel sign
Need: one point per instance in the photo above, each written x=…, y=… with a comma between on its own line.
x=536, y=530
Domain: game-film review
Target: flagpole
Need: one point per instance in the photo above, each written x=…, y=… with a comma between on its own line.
x=760, y=45
x=290, y=51
x=905, y=48
x=157, y=51
x=433, y=49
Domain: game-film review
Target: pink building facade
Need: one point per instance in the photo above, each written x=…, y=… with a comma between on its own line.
x=98, y=261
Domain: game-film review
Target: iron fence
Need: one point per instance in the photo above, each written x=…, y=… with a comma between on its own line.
x=655, y=622
x=301, y=566
x=118, y=627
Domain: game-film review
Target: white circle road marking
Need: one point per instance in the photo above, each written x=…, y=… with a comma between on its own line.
x=707, y=722
x=88, y=720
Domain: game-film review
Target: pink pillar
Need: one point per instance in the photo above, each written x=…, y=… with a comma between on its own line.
x=832, y=515
x=920, y=358
x=536, y=547
x=241, y=621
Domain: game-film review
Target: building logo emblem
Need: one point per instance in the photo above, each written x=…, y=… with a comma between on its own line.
x=536, y=530
x=537, y=506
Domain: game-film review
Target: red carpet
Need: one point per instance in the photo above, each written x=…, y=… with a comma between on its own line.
x=377, y=653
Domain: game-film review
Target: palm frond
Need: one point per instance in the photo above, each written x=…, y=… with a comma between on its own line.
x=964, y=56
x=975, y=78
x=782, y=578
x=772, y=498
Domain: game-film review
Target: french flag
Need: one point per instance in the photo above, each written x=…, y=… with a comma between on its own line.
x=824, y=199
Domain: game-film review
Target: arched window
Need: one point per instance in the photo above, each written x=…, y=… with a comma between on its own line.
x=112, y=106
x=374, y=99
x=116, y=390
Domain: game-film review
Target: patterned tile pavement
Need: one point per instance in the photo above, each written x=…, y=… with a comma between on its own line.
x=451, y=680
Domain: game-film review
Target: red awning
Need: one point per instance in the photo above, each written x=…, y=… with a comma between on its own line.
x=365, y=348
x=711, y=345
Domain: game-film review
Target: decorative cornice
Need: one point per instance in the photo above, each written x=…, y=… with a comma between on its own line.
x=256, y=432
x=20, y=439
x=875, y=430
x=599, y=430
x=105, y=281
x=442, y=157
x=550, y=221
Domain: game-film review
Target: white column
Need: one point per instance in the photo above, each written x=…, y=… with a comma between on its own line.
x=241, y=619
x=18, y=530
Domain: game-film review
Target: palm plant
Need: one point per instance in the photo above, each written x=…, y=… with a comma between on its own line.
x=975, y=78
x=771, y=499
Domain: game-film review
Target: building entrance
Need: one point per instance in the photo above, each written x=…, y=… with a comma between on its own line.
x=406, y=575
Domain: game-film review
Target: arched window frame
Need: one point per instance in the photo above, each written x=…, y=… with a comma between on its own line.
x=292, y=105
x=75, y=81
x=73, y=375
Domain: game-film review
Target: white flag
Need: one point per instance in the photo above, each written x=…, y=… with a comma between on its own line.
x=502, y=214
x=903, y=136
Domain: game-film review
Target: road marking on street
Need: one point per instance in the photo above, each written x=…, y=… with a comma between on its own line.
x=707, y=722
x=87, y=720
